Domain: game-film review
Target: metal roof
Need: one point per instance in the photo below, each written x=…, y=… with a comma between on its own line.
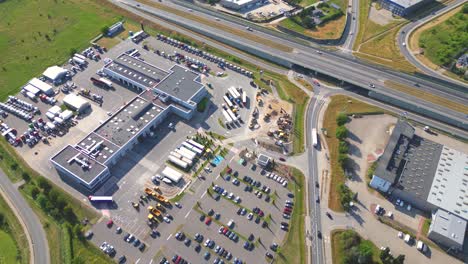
x=449, y=190
x=391, y=159
x=181, y=83
x=448, y=225
x=420, y=164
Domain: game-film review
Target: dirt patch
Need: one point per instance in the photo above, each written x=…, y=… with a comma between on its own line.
x=276, y=109
x=382, y=17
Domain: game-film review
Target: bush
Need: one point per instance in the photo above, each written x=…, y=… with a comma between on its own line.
x=43, y=184
x=343, y=147
x=104, y=30
x=42, y=201
x=341, y=132
x=341, y=119
x=346, y=196
x=34, y=192
x=26, y=177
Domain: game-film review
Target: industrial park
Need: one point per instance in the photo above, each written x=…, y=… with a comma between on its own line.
x=218, y=132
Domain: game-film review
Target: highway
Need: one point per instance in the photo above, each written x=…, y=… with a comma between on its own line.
x=405, y=32
x=333, y=64
x=39, y=248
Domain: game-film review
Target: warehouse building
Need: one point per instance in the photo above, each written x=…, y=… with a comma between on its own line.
x=240, y=4
x=76, y=103
x=88, y=163
x=428, y=175
x=55, y=74
x=402, y=7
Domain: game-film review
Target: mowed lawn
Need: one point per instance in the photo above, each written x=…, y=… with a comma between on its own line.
x=37, y=34
x=8, y=249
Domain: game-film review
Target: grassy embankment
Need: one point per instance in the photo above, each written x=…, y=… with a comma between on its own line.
x=332, y=29
x=58, y=212
x=343, y=240
x=293, y=249
x=13, y=243
x=443, y=40
x=38, y=34
x=340, y=104
x=377, y=43
x=428, y=97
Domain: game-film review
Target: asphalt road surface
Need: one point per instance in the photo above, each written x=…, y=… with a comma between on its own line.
x=40, y=250
x=333, y=64
x=406, y=31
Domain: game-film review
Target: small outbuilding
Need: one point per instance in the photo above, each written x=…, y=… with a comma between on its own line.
x=263, y=160
x=76, y=103
x=55, y=73
x=42, y=86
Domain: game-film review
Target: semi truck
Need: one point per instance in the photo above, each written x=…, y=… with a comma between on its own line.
x=100, y=83
x=244, y=98
x=178, y=162
x=227, y=117
x=314, y=137
x=187, y=153
x=192, y=148
x=196, y=144
x=93, y=198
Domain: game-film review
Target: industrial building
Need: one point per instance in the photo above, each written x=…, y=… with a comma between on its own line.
x=55, y=74
x=240, y=4
x=263, y=160
x=402, y=7
x=76, y=103
x=162, y=93
x=428, y=175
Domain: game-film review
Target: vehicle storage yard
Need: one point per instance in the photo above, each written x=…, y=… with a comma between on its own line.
x=97, y=103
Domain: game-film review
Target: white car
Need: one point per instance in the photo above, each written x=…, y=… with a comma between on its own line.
x=166, y=219
x=400, y=234
x=404, y=44
x=207, y=242
x=178, y=205
x=275, y=177
x=285, y=183
x=231, y=195
x=104, y=246
x=237, y=200
x=250, y=216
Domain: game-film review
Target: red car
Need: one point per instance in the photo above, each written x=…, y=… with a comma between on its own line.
x=287, y=209
x=286, y=212
x=225, y=230
x=208, y=221
x=110, y=223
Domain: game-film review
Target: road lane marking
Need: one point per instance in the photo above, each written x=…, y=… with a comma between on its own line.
x=188, y=213
x=169, y=237
x=203, y=194
x=138, y=260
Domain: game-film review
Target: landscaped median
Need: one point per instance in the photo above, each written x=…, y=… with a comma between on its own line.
x=348, y=106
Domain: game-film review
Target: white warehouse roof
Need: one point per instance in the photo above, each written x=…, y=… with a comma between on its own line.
x=54, y=72
x=76, y=102
x=44, y=87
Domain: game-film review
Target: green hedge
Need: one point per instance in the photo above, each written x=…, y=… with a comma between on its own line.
x=67, y=244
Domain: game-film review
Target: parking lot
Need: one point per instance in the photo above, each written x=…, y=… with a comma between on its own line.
x=254, y=219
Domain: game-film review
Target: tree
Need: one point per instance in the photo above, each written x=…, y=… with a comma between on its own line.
x=68, y=214
x=465, y=9
x=385, y=255
x=77, y=232
x=42, y=201
x=34, y=192
x=44, y=184
x=346, y=196
x=341, y=132
x=343, y=147
x=104, y=30
x=399, y=260
x=365, y=253
x=341, y=119
x=308, y=22
x=26, y=176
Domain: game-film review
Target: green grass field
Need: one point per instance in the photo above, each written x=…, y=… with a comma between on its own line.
x=9, y=250
x=37, y=34
x=443, y=42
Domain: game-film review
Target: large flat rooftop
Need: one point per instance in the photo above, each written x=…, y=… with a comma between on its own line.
x=420, y=165
x=449, y=190
x=130, y=119
x=137, y=70
x=99, y=148
x=181, y=83
x=79, y=164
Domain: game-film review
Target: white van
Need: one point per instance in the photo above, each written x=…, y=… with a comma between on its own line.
x=421, y=246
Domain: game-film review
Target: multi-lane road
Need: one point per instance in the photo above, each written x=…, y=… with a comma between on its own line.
x=39, y=248
x=330, y=63
x=405, y=33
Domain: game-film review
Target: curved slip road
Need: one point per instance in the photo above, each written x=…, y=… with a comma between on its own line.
x=39, y=248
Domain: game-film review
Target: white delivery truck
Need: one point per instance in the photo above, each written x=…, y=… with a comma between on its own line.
x=227, y=117
x=182, y=164
x=196, y=144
